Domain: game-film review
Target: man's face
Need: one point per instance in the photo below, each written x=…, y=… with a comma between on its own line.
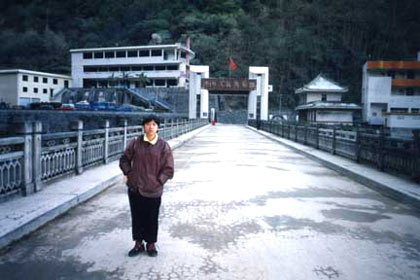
x=150, y=128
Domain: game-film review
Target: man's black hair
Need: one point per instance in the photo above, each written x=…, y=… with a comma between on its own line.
x=150, y=118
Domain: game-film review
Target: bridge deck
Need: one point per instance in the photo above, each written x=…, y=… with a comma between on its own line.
x=240, y=207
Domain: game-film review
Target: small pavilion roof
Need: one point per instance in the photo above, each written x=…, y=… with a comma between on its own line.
x=321, y=84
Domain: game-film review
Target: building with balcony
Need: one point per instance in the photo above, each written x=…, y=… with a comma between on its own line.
x=320, y=102
x=22, y=87
x=162, y=65
x=391, y=93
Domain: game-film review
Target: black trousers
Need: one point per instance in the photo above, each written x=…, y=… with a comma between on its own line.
x=144, y=216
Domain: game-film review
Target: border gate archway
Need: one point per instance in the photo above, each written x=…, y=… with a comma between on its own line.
x=254, y=89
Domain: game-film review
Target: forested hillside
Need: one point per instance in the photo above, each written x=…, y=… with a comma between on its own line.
x=297, y=39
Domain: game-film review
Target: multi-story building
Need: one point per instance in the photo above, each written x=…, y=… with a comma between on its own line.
x=163, y=66
x=22, y=87
x=391, y=93
x=320, y=102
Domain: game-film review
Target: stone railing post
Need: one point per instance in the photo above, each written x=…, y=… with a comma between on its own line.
x=416, y=155
x=163, y=128
x=36, y=158
x=317, y=136
x=25, y=129
x=171, y=129
x=357, y=147
x=380, y=150
x=106, y=142
x=334, y=140
x=125, y=135
x=79, y=148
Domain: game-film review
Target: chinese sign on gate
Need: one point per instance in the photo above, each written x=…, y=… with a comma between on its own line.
x=222, y=84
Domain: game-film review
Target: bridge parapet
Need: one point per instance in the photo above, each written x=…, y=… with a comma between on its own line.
x=373, y=147
x=31, y=160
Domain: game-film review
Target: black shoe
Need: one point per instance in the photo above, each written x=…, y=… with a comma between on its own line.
x=136, y=250
x=151, y=250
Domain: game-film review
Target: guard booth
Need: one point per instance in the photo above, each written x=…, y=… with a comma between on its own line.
x=254, y=90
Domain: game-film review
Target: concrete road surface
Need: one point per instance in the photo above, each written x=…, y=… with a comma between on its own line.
x=240, y=207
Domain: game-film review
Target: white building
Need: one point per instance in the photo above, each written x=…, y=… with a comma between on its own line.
x=163, y=65
x=391, y=93
x=320, y=101
x=22, y=87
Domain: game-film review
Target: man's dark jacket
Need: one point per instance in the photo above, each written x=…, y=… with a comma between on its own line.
x=147, y=166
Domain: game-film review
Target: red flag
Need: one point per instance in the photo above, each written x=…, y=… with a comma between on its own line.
x=232, y=64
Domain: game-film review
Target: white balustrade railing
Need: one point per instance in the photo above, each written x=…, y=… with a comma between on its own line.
x=32, y=159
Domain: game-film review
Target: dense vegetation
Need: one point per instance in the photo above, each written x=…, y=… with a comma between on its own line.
x=297, y=39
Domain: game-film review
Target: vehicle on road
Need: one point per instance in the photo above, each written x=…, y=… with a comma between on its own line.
x=67, y=107
x=103, y=106
x=82, y=105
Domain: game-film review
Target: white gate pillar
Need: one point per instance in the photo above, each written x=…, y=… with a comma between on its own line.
x=197, y=72
x=260, y=74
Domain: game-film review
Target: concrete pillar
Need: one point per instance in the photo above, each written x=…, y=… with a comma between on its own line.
x=25, y=129
x=36, y=159
x=106, y=143
x=197, y=72
x=261, y=75
x=125, y=135
x=79, y=148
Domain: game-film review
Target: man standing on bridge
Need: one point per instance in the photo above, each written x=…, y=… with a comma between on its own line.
x=147, y=163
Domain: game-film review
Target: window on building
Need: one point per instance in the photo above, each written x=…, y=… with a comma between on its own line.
x=121, y=54
x=55, y=81
x=87, y=55
x=391, y=74
x=324, y=97
x=45, y=80
x=25, y=89
x=183, y=55
x=90, y=69
x=132, y=53
x=103, y=83
x=156, y=52
x=159, y=67
x=136, y=68
x=36, y=79
x=399, y=110
x=51, y=92
x=415, y=110
x=409, y=91
x=24, y=101
x=44, y=91
x=159, y=82
x=102, y=69
x=144, y=53
x=125, y=68
x=410, y=74
x=172, y=82
x=98, y=55
x=35, y=90
x=109, y=54
x=66, y=83
x=114, y=69
x=172, y=67
x=149, y=82
x=88, y=83
x=25, y=78
x=148, y=68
